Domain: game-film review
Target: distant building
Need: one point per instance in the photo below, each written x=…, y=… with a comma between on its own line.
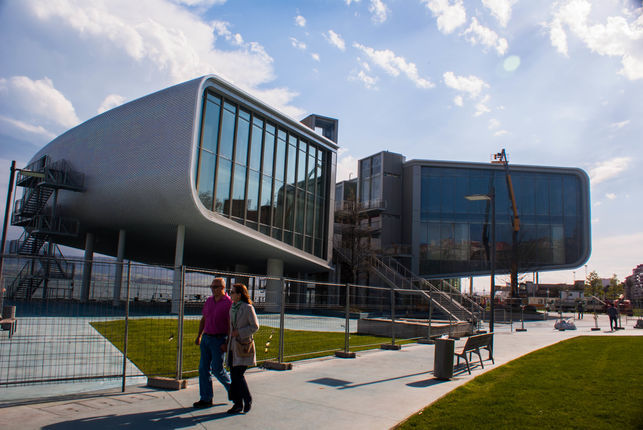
x=634, y=285
x=419, y=215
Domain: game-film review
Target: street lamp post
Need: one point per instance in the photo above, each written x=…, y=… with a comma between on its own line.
x=491, y=197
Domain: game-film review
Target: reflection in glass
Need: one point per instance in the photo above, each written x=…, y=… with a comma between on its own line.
x=205, y=182
x=222, y=194
x=227, y=131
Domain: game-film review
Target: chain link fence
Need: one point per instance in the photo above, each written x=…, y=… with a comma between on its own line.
x=131, y=320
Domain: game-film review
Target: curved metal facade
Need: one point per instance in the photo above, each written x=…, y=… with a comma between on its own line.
x=139, y=161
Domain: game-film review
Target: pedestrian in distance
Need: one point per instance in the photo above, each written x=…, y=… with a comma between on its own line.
x=241, y=347
x=613, y=314
x=212, y=339
x=581, y=310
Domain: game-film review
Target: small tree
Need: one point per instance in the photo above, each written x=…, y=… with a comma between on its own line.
x=594, y=285
x=615, y=288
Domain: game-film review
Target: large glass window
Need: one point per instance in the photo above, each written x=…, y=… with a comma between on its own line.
x=266, y=178
x=458, y=231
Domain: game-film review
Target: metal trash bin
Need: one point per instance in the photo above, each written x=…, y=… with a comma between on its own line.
x=443, y=359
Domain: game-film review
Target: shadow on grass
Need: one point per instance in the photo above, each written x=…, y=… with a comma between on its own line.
x=170, y=418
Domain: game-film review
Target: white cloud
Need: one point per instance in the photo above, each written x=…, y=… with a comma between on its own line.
x=300, y=21
x=369, y=81
x=472, y=85
x=610, y=196
x=379, y=11
x=335, y=40
x=621, y=124
x=348, y=2
x=617, y=37
x=315, y=56
x=36, y=101
x=481, y=106
x=24, y=130
x=298, y=44
x=500, y=133
x=450, y=14
x=493, y=124
x=500, y=9
x=394, y=65
x=111, y=101
x=608, y=169
x=166, y=36
x=477, y=33
x=458, y=101
x=200, y=2
x=346, y=165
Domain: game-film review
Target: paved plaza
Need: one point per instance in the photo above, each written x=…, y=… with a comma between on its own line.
x=376, y=390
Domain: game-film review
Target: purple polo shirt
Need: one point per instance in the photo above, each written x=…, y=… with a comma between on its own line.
x=217, y=315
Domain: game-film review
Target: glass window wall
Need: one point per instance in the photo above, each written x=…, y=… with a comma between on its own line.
x=266, y=178
x=455, y=235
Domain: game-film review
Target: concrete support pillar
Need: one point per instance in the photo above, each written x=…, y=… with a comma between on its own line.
x=242, y=268
x=274, y=269
x=118, y=272
x=87, y=267
x=178, y=262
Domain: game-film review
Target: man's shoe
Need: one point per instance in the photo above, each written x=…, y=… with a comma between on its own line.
x=202, y=404
x=246, y=406
x=236, y=409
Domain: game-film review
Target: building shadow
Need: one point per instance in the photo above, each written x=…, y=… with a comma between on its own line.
x=170, y=419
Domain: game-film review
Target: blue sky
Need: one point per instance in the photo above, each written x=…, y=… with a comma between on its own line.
x=556, y=83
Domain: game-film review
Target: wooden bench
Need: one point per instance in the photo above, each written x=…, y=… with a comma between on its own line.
x=474, y=344
x=9, y=321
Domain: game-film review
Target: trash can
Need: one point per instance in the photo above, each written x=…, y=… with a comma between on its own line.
x=443, y=359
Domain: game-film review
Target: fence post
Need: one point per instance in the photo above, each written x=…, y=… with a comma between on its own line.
x=347, y=331
x=129, y=267
x=179, y=346
x=282, y=317
x=392, y=317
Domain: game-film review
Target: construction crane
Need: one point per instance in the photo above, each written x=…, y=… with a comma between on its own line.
x=501, y=158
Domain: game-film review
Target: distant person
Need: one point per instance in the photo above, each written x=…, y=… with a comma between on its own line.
x=581, y=310
x=241, y=347
x=212, y=337
x=613, y=314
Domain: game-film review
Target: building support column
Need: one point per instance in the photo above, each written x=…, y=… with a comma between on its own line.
x=118, y=275
x=275, y=270
x=178, y=262
x=87, y=267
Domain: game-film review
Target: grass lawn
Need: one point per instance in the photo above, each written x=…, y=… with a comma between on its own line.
x=152, y=343
x=585, y=383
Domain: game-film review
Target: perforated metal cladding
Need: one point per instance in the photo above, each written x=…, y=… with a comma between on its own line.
x=137, y=161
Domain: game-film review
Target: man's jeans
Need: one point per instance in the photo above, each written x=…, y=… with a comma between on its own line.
x=211, y=358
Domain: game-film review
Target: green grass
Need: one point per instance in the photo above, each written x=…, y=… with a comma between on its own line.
x=583, y=383
x=152, y=343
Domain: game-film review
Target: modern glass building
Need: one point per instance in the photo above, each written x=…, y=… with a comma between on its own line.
x=454, y=234
x=418, y=213
x=202, y=174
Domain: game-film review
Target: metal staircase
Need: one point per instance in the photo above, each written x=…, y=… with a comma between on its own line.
x=448, y=299
x=35, y=211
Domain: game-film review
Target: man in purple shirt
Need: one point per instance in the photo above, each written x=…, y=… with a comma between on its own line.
x=212, y=337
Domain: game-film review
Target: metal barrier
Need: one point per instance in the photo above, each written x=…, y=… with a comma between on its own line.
x=120, y=322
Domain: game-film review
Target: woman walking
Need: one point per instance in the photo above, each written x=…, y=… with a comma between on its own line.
x=241, y=347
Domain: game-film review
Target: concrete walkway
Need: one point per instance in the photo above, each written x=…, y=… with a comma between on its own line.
x=375, y=391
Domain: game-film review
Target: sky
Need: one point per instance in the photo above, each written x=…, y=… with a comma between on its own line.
x=555, y=83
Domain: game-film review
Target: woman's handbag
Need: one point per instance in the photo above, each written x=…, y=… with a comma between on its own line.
x=245, y=348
